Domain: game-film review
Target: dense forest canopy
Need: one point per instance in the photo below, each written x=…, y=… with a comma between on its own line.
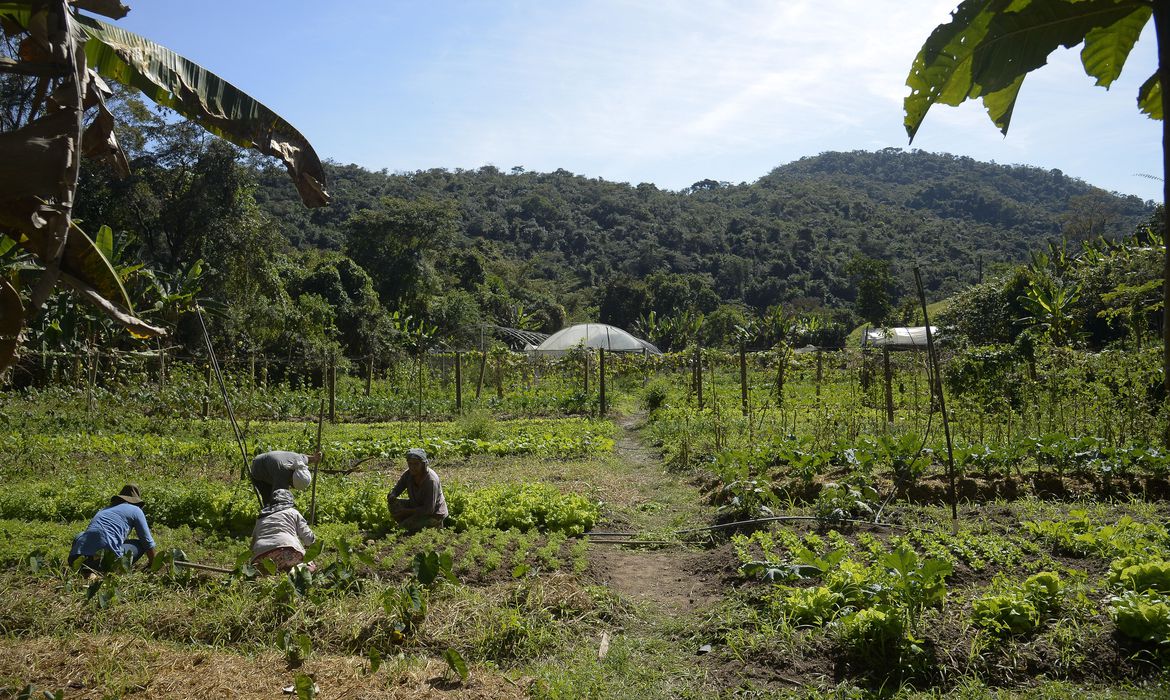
x=785, y=239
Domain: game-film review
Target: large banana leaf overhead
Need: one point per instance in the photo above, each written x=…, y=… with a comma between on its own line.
x=198, y=94
x=68, y=53
x=989, y=46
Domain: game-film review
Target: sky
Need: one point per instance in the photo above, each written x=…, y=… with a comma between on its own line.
x=662, y=91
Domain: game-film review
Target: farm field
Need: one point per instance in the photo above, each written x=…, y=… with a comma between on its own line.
x=1053, y=581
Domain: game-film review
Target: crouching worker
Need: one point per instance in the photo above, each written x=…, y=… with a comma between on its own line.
x=281, y=470
x=109, y=530
x=281, y=533
x=424, y=505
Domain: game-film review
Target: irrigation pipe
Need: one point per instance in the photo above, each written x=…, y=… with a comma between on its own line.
x=785, y=518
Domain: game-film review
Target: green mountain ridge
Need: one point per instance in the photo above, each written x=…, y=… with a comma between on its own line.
x=783, y=239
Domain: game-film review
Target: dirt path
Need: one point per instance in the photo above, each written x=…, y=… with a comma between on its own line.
x=672, y=578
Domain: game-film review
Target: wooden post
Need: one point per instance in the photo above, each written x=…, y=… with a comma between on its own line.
x=206, y=398
x=820, y=370
x=743, y=387
x=482, y=369
x=500, y=376
x=780, y=369
x=586, y=363
x=889, y=384
x=458, y=383
x=601, y=380
x=699, y=375
x=369, y=374
x=317, y=451
x=420, y=393
x=162, y=364
x=332, y=389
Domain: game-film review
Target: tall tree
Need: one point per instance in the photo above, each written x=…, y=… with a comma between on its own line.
x=66, y=53
x=990, y=46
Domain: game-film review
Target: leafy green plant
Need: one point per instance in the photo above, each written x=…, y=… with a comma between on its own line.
x=1138, y=574
x=456, y=663
x=812, y=606
x=428, y=566
x=1142, y=616
x=406, y=605
x=916, y=584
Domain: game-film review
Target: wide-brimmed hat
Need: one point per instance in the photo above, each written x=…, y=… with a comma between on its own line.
x=418, y=453
x=129, y=494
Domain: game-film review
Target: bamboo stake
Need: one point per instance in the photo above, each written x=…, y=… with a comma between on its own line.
x=316, y=467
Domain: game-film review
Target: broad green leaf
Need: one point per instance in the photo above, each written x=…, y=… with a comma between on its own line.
x=202, y=96
x=990, y=45
x=306, y=689
x=520, y=570
x=1150, y=97
x=104, y=242
x=375, y=659
x=902, y=560
x=426, y=567
x=1017, y=43
x=313, y=550
x=11, y=322
x=456, y=662
x=1106, y=48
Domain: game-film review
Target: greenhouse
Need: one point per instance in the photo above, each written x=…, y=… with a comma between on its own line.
x=592, y=335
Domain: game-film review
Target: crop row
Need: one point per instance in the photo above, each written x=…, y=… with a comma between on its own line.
x=231, y=507
x=559, y=439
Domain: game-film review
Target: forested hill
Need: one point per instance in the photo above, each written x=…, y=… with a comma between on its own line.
x=786, y=238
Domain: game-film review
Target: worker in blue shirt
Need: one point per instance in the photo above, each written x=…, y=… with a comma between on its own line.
x=110, y=529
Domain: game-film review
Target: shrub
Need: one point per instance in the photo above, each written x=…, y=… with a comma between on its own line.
x=655, y=394
x=1005, y=614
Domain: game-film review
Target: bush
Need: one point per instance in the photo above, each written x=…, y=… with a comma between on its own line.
x=655, y=394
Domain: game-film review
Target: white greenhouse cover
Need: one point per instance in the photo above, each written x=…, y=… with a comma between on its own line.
x=913, y=338
x=592, y=335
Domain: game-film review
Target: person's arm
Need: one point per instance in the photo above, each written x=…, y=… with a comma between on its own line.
x=400, y=486
x=304, y=532
x=430, y=494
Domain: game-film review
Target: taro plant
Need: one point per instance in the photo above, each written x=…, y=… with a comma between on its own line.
x=917, y=584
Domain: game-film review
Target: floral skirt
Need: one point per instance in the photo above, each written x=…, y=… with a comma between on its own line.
x=284, y=558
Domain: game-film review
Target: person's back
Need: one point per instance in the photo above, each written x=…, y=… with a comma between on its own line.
x=281, y=532
x=109, y=530
x=280, y=469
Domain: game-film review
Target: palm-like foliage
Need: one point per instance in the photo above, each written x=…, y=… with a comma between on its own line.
x=67, y=54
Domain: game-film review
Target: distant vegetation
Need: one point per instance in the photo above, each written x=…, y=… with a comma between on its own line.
x=408, y=262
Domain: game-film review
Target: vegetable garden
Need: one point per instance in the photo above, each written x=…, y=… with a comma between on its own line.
x=807, y=539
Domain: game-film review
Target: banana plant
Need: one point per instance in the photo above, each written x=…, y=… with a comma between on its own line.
x=70, y=55
x=990, y=46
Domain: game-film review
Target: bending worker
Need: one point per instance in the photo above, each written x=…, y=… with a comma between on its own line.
x=109, y=530
x=281, y=470
x=424, y=505
x=281, y=533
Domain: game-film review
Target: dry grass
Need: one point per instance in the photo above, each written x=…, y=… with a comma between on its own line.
x=88, y=666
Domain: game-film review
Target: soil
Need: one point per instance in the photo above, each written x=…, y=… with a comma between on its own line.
x=672, y=578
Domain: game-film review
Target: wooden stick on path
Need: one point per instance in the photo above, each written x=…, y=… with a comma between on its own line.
x=203, y=567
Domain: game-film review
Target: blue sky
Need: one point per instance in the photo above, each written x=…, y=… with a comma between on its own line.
x=663, y=91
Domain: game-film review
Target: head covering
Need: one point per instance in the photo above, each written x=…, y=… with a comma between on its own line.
x=128, y=494
x=418, y=453
x=282, y=499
